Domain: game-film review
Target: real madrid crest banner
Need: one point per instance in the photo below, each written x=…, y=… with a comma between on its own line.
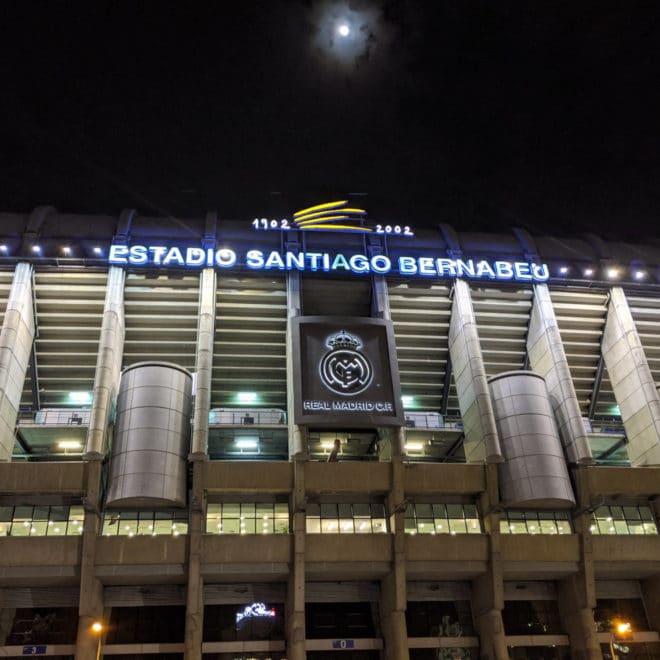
x=345, y=372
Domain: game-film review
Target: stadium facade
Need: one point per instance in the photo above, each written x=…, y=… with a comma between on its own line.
x=322, y=437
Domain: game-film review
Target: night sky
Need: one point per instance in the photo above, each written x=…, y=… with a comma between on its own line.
x=485, y=115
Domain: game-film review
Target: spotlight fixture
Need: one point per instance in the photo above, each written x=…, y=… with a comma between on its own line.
x=588, y=272
x=612, y=273
x=564, y=270
x=36, y=249
x=640, y=274
x=98, y=250
x=66, y=250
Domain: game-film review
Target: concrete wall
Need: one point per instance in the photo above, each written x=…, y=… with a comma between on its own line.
x=632, y=382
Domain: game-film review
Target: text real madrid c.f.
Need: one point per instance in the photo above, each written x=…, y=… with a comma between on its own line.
x=326, y=262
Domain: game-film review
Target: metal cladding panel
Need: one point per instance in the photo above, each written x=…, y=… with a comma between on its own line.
x=151, y=439
x=535, y=472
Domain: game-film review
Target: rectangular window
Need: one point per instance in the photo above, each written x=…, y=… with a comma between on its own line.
x=345, y=518
x=434, y=519
x=144, y=523
x=42, y=520
x=535, y=522
x=245, y=518
x=634, y=520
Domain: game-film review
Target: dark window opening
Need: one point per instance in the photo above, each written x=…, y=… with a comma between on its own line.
x=531, y=617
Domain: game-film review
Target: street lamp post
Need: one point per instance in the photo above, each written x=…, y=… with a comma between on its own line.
x=97, y=629
x=621, y=628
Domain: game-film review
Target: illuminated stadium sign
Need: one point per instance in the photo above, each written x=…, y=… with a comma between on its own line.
x=326, y=262
x=331, y=217
x=256, y=611
x=345, y=372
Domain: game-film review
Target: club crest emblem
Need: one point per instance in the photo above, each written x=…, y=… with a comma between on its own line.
x=344, y=370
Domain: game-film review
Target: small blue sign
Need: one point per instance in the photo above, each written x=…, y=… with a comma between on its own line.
x=34, y=650
x=343, y=643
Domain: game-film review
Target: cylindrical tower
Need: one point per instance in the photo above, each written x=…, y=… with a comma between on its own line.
x=534, y=474
x=151, y=436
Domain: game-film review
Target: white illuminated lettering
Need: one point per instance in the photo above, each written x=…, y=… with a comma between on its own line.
x=118, y=254
x=540, y=272
x=381, y=264
x=138, y=255
x=194, y=256
x=465, y=268
x=340, y=262
x=503, y=270
x=313, y=258
x=295, y=261
x=484, y=269
x=521, y=270
x=157, y=252
x=254, y=259
x=274, y=261
x=446, y=267
x=225, y=258
x=407, y=266
x=426, y=266
x=173, y=254
x=257, y=610
x=359, y=263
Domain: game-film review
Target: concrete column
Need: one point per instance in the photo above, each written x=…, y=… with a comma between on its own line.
x=91, y=590
x=195, y=589
x=481, y=440
x=651, y=596
x=393, y=594
x=632, y=382
x=380, y=299
x=576, y=594
x=204, y=365
x=392, y=441
x=108, y=365
x=297, y=434
x=7, y=615
x=488, y=589
x=547, y=358
x=16, y=340
x=295, y=593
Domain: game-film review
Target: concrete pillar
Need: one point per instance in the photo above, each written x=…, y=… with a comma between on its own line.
x=651, y=596
x=194, y=629
x=576, y=594
x=108, y=365
x=393, y=592
x=380, y=299
x=547, y=358
x=392, y=441
x=91, y=590
x=16, y=340
x=297, y=434
x=632, y=382
x=204, y=365
x=488, y=589
x=7, y=615
x=481, y=440
x=295, y=593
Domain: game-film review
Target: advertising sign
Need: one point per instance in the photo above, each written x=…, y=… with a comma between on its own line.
x=345, y=372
